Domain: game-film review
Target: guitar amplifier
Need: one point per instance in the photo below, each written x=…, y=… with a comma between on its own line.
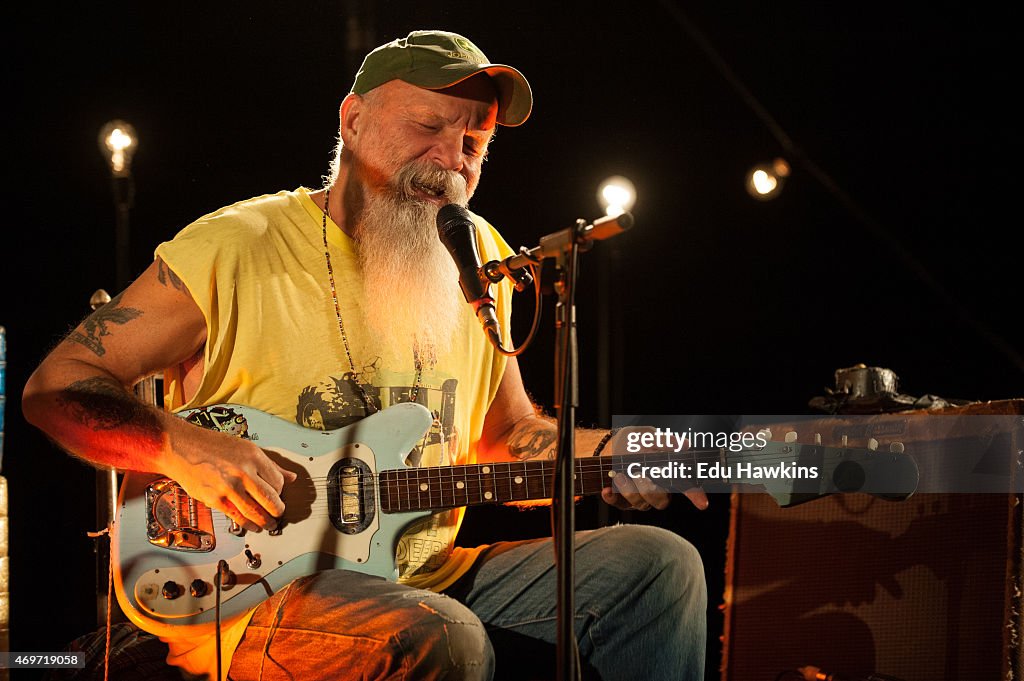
x=926, y=589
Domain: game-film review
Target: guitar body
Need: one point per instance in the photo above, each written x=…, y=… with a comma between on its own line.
x=166, y=547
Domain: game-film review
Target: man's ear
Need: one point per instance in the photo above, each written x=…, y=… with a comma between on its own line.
x=351, y=118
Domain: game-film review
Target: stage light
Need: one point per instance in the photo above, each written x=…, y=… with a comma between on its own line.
x=764, y=181
x=118, y=142
x=616, y=195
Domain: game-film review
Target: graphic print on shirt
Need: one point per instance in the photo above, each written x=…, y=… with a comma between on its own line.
x=337, y=402
x=223, y=419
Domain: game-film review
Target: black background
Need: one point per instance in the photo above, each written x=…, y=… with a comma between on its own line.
x=719, y=303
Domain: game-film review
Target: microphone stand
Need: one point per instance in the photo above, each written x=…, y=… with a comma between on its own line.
x=565, y=246
x=566, y=401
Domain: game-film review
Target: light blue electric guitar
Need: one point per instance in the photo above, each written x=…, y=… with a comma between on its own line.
x=355, y=496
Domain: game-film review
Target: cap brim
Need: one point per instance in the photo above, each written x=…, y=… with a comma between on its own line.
x=515, y=98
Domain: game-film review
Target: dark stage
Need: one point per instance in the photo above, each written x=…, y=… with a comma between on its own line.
x=894, y=242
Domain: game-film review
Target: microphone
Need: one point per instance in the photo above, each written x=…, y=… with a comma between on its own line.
x=457, y=232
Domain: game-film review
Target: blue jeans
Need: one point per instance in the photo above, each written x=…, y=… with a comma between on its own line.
x=640, y=614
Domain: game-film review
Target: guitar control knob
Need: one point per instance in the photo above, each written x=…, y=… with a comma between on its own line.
x=171, y=590
x=198, y=588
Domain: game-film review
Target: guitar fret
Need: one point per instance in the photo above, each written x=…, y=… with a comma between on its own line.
x=519, y=487
x=441, y=483
x=588, y=478
x=451, y=486
x=404, y=489
x=420, y=485
x=408, y=491
x=436, y=490
x=413, y=482
x=499, y=474
x=460, y=494
x=546, y=471
x=535, y=479
x=428, y=484
x=508, y=478
x=396, y=491
x=393, y=495
x=487, y=482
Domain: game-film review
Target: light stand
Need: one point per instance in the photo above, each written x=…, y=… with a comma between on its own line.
x=117, y=142
x=615, y=195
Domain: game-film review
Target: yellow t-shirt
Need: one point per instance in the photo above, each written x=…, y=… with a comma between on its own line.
x=257, y=271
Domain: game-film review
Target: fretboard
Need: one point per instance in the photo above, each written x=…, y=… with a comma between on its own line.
x=440, y=487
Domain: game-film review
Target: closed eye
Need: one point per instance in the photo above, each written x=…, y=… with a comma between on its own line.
x=476, y=147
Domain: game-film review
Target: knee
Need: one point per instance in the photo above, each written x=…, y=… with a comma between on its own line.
x=445, y=640
x=663, y=562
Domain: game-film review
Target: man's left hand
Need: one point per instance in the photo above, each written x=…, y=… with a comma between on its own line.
x=641, y=494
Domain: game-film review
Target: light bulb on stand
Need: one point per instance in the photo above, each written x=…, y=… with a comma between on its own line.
x=118, y=142
x=616, y=195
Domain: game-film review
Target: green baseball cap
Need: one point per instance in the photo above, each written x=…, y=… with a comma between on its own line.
x=439, y=59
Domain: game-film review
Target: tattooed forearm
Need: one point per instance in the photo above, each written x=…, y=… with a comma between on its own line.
x=97, y=325
x=166, y=276
x=103, y=404
x=533, y=438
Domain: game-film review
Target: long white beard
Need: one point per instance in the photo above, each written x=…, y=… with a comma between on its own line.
x=412, y=297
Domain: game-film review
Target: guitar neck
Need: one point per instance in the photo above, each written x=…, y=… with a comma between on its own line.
x=441, y=487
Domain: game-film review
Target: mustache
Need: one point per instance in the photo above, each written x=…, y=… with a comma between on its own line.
x=422, y=176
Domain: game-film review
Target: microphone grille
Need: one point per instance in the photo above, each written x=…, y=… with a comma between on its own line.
x=449, y=217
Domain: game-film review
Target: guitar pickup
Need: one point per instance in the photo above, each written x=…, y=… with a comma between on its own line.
x=351, y=506
x=176, y=521
x=350, y=497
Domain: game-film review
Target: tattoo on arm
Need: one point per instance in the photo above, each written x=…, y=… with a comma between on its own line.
x=98, y=324
x=532, y=438
x=101, y=403
x=166, y=276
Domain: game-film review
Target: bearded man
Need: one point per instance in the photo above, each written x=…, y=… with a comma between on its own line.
x=325, y=307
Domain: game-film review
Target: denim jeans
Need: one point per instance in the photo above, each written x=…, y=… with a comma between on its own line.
x=640, y=600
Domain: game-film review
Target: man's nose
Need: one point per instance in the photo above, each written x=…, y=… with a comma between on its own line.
x=447, y=152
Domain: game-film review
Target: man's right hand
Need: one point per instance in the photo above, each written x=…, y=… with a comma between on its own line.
x=228, y=473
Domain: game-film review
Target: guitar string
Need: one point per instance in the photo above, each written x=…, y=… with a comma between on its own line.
x=584, y=464
x=409, y=487
x=537, y=469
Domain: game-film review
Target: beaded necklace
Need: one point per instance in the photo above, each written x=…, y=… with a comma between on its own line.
x=417, y=362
